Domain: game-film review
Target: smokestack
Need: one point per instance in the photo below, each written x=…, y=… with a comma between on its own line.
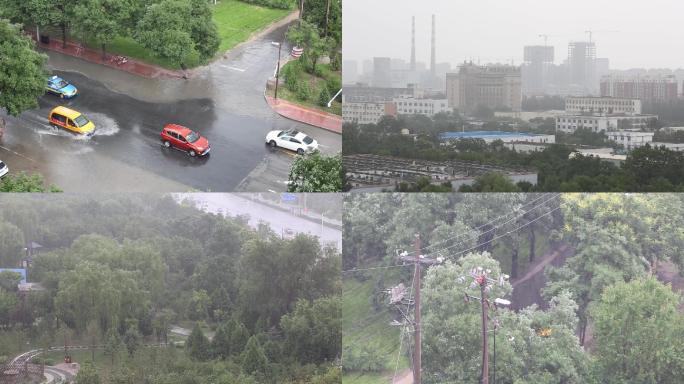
x=413, y=43
x=433, y=67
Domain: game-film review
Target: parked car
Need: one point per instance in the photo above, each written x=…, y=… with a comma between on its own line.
x=60, y=87
x=4, y=169
x=184, y=139
x=292, y=140
x=71, y=120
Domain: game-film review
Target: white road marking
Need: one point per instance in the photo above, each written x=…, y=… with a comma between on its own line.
x=18, y=154
x=234, y=68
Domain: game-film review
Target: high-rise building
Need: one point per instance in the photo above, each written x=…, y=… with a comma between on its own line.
x=647, y=89
x=350, y=72
x=382, y=72
x=493, y=86
x=535, y=70
x=582, y=66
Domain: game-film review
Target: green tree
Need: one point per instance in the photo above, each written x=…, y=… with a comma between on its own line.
x=254, y=359
x=164, y=29
x=87, y=374
x=203, y=30
x=22, y=73
x=132, y=340
x=313, y=331
x=8, y=304
x=316, y=172
x=113, y=344
x=104, y=20
x=11, y=245
x=637, y=330
x=491, y=182
x=197, y=344
x=324, y=97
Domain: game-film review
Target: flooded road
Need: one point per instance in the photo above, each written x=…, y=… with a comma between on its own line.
x=223, y=102
x=243, y=204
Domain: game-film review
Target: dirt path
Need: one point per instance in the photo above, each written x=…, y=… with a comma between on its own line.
x=541, y=263
x=404, y=377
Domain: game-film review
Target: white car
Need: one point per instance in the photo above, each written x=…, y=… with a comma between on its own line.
x=292, y=140
x=3, y=169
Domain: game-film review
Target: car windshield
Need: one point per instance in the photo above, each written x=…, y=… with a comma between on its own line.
x=308, y=140
x=2, y=165
x=289, y=132
x=192, y=137
x=59, y=84
x=81, y=121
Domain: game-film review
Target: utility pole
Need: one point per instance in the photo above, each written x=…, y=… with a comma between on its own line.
x=417, y=260
x=481, y=278
x=416, y=286
x=482, y=282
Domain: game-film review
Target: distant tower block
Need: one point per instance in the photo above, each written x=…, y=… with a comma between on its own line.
x=433, y=64
x=413, y=43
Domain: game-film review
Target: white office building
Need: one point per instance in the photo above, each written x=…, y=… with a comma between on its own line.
x=602, y=106
x=427, y=107
x=631, y=139
x=570, y=123
x=364, y=113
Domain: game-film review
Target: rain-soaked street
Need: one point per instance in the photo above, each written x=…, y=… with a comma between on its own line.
x=223, y=101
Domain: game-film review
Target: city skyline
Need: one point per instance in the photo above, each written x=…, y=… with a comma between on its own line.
x=638, y=42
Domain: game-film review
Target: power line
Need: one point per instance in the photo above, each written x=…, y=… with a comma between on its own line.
x=371, y=268
x=493, y=229
x=491, y=221
x=507, y=233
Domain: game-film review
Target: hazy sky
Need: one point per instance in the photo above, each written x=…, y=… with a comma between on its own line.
x=649, y=34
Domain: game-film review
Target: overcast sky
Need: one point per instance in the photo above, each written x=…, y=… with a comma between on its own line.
x=649, y=34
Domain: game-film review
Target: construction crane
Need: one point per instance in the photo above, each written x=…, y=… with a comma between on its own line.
x=546, y=37
x=591, y=32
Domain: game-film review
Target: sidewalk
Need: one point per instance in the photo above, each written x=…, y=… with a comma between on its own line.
x=309, y=215
x=305, y=115
x=95, y=56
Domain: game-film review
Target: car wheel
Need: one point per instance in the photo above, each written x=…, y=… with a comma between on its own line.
x=272, y=143
x=167, y=144
x=192, y=153
x=300, y=151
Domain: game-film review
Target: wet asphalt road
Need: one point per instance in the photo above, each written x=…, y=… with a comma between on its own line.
x=223, y=101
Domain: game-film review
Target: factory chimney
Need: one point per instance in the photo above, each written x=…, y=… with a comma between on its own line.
x=413, y=43
x=433, y=68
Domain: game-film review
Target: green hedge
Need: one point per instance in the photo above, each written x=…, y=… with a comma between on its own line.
x=280, y=4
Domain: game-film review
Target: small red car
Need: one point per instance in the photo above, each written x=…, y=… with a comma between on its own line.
x=184, y=139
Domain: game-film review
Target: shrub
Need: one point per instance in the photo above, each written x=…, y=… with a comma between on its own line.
x=280, y=4
x=303, y=90
x=324, y=97
x=333, y=84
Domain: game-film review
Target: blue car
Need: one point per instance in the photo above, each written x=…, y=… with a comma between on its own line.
x=58, y=86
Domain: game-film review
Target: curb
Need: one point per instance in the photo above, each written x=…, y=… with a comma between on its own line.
x=327, y=121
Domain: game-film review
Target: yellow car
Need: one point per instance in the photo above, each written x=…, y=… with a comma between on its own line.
x=72, y=120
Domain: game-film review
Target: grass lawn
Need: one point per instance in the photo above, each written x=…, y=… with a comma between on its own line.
x=363, y=326
x=316, y=84
x=236, y=22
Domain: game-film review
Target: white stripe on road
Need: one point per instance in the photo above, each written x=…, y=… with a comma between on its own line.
x=233, y=68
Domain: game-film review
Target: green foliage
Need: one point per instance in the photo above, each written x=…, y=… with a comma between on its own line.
x=491, y=182
x=315, y=172
x=324, y=97
x=22, y=77
x=23, y=182
x=132, y=340
x=254, y=359
x=637, y=329
x=279, y=4
x=8, y=302
x=303, y=90
x=197, y=344
x=314, y=330
x=292, y=73
x=87, y=374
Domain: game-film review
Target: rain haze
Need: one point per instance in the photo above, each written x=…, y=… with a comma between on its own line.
x=629, y=34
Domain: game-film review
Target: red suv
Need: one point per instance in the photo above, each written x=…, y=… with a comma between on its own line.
x=185, y=139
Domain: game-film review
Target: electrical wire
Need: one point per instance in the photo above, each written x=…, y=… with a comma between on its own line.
x=502, y=235
x=491, y=221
